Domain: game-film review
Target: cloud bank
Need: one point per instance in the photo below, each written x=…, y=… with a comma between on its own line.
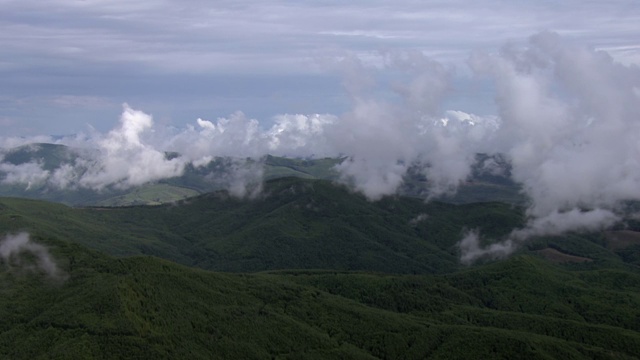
x=567, y=124
x=570, y=119
x=382, y=136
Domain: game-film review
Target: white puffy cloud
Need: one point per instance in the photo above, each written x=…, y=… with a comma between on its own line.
x=235, y=135
x=124, y=160
x=569, y=115
x=301, y=135
x=380, y=136
x=384, y=135
x=569, y=128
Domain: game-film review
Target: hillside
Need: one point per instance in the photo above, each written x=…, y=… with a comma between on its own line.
x=312, y=271
x=300, y=224
x=294, y=224
x=147, y=308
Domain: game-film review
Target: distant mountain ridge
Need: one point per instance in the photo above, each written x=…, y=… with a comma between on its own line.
x=323, y=274
x=41, y=160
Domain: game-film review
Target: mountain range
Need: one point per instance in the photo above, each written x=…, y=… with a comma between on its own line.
x=39, y=162
x=307, y=268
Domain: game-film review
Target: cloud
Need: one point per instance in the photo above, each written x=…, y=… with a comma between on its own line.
x=569, y=115
x=554, y=223
x=170, y=57
x=569, y=122
x=27, y=174
x=241, y=178
x=471, y=248
x=194, y=36
x=135, y=152
x=235, y=135
x=14, y=247
x=418, y=219
x=394, y=126
x=301, y=135
x=124, y=160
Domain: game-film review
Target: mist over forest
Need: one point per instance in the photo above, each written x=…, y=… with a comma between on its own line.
x=372, y=182
x=566, y=125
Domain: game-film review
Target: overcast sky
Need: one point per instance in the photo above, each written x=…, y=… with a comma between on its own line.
x=67, y=65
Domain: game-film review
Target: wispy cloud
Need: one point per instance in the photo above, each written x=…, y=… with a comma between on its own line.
x=13, y=247
x=134, y=51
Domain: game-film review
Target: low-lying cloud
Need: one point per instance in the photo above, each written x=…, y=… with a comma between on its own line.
x=567, y=125
x=551, y=224
x=570, y=119
x=380, y=138
x=124, y=160
x=18, y=251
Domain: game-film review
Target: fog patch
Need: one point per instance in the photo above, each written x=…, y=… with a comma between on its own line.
x=19, y=252
x=418, y=219
x=569, y=131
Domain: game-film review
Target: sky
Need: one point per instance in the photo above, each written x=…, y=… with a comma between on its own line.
x=68, y=65
x=551, y=86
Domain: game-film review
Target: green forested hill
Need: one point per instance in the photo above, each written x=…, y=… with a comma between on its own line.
x=147, y=308
x=313, y=271
x=301, y=224
x=294, y=224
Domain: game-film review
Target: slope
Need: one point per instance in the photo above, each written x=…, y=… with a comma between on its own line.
x=295, y=223
x=147, y=308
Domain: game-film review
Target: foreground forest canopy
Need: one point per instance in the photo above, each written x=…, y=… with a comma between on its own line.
x=307, y=269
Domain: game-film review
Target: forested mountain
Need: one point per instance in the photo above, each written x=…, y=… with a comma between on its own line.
x=312, y=270
x=293, y=224
x=143, y=307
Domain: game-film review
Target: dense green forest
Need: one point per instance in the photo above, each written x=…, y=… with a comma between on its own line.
x=309, y=269
x=145, y=307
x=294, y=224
